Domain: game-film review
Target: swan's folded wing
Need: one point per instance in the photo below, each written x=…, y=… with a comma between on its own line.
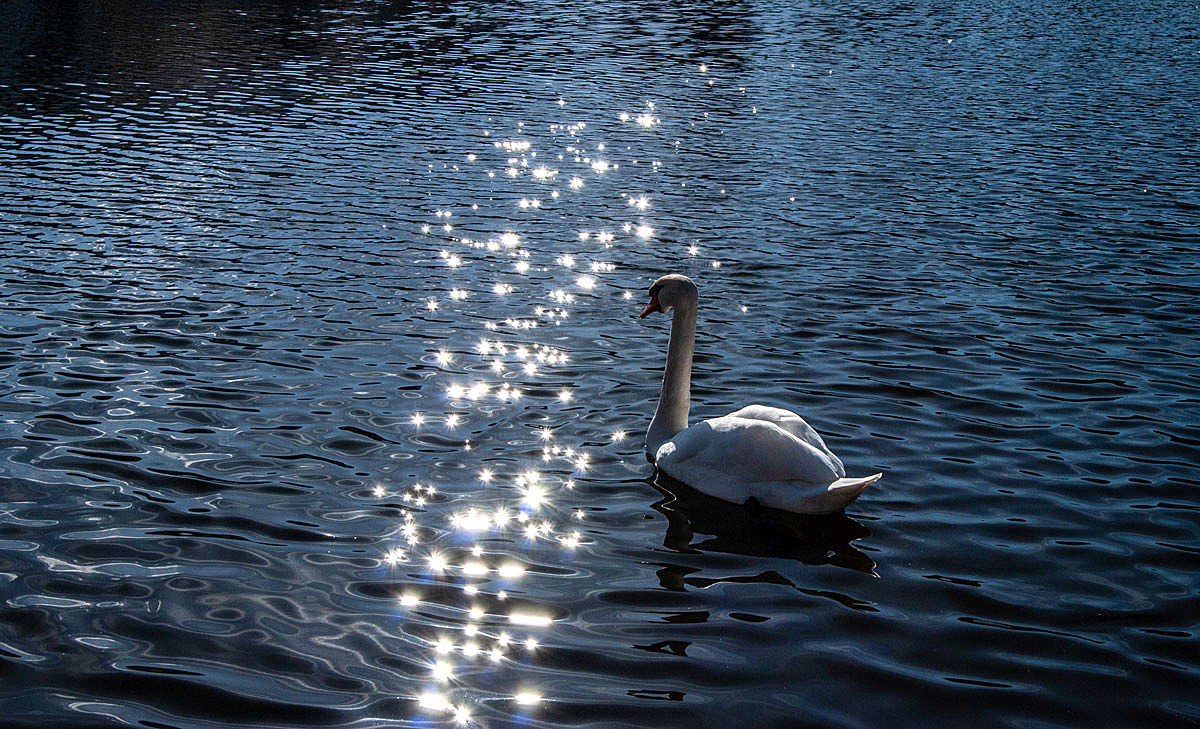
x=793, y=424
x=742, y=450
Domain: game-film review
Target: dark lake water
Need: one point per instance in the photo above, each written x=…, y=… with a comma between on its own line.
x=322, y=387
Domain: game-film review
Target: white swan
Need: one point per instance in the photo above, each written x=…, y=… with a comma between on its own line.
x=758, y=453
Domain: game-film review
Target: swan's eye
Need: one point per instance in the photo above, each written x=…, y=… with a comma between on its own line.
x=654, y=290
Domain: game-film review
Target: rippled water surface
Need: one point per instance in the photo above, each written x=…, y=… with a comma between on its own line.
x=323, y=387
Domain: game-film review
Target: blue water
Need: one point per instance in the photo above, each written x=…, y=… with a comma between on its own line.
x=236, y=336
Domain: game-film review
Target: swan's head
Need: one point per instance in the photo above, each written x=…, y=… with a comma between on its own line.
x=670, y=291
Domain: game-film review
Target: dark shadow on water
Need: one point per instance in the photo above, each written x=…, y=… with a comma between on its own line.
x=699, y=523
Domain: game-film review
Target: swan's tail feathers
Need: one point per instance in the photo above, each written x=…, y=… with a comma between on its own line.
x=855, y=485
x=844, y=490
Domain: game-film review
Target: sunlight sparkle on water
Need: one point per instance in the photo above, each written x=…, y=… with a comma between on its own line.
x=471, y=520
x=534, y=496
x=501, y=517
x=527, y=286
x=530, y=620
x=434, y=701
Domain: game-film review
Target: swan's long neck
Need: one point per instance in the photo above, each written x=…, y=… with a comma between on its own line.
x=671, y=417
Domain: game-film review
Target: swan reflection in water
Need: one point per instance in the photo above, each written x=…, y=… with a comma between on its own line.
x=757, y=531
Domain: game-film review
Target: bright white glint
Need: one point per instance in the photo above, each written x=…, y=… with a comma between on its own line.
x=433, y=701
x=528, y=619
x=535, y=496
x=473, y=521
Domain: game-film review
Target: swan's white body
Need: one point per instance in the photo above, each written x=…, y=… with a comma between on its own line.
x=758, y=453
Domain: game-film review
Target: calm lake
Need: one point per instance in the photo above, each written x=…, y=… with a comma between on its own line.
x=323, y=388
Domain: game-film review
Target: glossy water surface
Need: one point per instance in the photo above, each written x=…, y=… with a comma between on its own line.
x=323, y=388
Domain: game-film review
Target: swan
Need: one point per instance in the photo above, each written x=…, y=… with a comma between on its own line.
x=758, y=454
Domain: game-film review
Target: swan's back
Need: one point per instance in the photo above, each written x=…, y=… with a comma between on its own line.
x=732, y=458
x=792, y=423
